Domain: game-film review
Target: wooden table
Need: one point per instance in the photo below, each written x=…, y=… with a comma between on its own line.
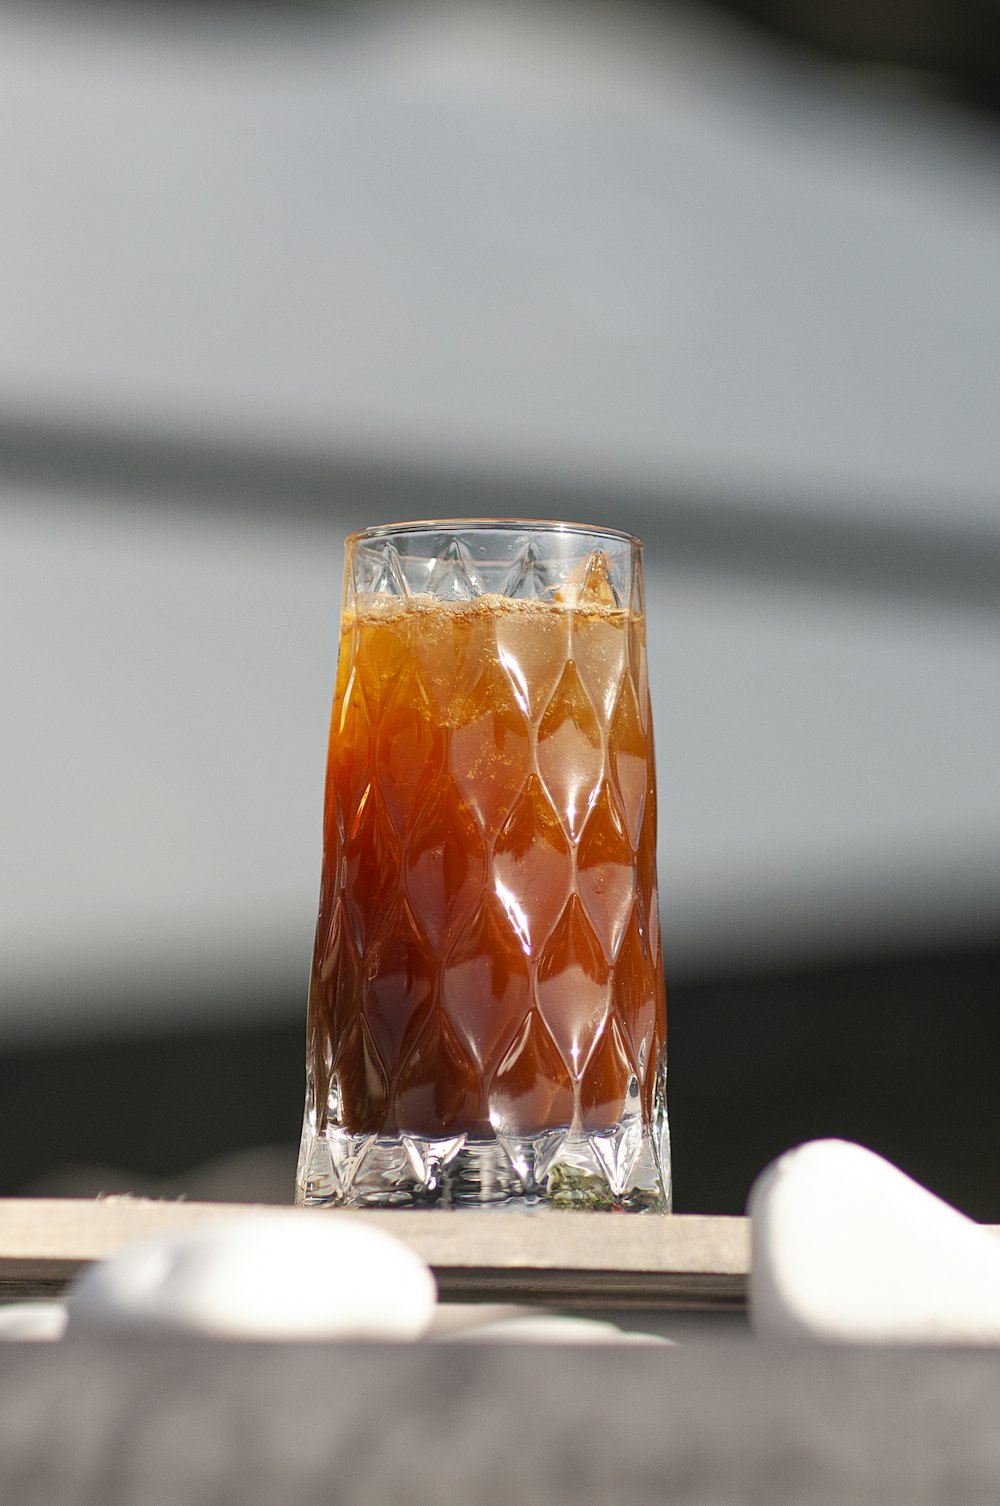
x=578, y=1259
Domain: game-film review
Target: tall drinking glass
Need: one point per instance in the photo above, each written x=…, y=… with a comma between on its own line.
x=486, y=1012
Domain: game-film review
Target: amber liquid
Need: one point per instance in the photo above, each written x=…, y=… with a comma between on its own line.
x=487, y=954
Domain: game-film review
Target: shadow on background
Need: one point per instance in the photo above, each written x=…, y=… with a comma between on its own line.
x=899, y=1054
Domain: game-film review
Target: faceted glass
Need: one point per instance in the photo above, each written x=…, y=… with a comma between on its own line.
x=486, y=1011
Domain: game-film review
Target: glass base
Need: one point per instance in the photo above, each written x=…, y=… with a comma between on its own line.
x=625, y=1169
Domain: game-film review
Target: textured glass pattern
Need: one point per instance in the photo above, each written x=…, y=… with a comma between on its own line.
x=486, y=1019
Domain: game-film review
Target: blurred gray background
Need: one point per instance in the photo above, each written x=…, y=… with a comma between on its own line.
x=728, y=278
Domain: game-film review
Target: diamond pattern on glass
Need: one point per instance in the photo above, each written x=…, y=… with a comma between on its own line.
x=371, y=861
x=447, y=658
x=606, y=1080
x=484, y=1015
x=383, y=666
x=638, y=1021
x=409, y=753
x=350, y=743
x=378, y=571
x=573, y=987
x=530, y=578
x=628, y=758
x=363, y=1079
x=340, y=975
x=489, y=751
x=598, y=586
x=605, y=872
x=399, y=993
x=444, y=864
x=599, y=653
x=532, y=1087
x=484, y=985
x=532, y=648
x=532, y=867
x=570, y=760
x=454, y=576
x=437, y=1090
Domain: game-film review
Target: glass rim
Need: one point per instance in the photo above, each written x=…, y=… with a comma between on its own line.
x=498, y=525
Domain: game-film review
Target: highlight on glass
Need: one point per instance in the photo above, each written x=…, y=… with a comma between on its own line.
x=486, y=1011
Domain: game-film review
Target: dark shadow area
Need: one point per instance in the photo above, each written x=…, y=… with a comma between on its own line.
x=897, y=1053
x=146, y=1112
x=864, y=552
x=951, y=44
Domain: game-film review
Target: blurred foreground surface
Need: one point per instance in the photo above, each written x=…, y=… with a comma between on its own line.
x=483, y=1425
x=279, y=275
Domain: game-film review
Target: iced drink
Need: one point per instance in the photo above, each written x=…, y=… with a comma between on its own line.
x=486, y=1016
